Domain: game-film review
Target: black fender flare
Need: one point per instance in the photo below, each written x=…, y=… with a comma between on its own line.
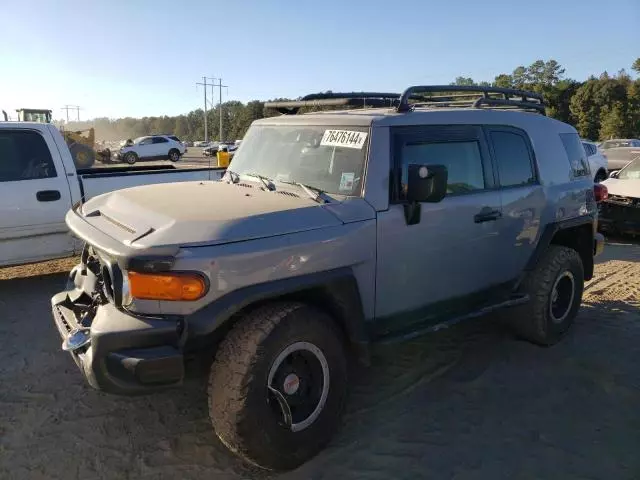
x=550, y=232
x=335, y=291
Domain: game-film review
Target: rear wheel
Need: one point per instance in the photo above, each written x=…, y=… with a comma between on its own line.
x=278, y=385
x=131, y=158
x=555, y=288
x=174, y=155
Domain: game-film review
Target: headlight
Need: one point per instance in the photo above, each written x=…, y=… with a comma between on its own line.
x=176, y=286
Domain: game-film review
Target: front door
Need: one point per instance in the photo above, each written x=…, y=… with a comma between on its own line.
x=35, y=198
x=146, y=149
x=450, y=262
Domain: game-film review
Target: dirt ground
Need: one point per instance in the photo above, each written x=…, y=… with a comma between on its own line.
x=466, y=403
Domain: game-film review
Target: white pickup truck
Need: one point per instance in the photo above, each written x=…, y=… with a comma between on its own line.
x=39, y=183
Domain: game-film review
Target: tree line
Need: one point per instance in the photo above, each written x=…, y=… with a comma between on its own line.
x=600, y=107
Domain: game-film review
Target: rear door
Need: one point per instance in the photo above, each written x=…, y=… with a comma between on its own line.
x=34, y=198
x=521, y=195
x=160, y=147
x=450, y=262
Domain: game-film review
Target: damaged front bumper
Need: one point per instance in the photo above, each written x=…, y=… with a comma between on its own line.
x=620, y=215
x=117, y=351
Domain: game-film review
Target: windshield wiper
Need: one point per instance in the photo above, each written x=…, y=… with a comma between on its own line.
x=266, y=181
x=235, y=178
x=314, y=192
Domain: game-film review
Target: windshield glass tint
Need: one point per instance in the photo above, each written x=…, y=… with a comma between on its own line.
x=631, y=171
x=328, y=158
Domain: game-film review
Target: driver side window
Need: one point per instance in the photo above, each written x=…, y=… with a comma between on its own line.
x=462, y=159
x=24, y=155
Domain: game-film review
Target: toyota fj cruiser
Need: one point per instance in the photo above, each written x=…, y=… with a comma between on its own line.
x=329, y=232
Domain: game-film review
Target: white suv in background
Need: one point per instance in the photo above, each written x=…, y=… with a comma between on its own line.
x=154, y=147
x=597, y=161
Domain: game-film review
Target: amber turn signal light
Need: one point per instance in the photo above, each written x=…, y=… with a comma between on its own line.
x=167, y=286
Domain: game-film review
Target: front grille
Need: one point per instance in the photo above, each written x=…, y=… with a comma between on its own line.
x=622, y=200
x=64, y=321
x=619, y=212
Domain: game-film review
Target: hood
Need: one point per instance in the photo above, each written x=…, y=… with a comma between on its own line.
x=625, y=188
x=202, y=213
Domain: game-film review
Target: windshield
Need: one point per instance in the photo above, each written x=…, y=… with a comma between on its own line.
x=330, y=159
x=631, y=171
x=619, y=143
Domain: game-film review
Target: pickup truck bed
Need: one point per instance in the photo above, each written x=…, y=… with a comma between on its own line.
x=39, y=183
x=98, y=181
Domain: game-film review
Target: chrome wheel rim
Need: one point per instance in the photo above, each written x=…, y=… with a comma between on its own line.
x=298, y=385
x=562, y=296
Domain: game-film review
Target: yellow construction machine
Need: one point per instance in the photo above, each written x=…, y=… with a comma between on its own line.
x=81, y=143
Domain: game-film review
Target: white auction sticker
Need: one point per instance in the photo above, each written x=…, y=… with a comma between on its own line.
x=343, y=138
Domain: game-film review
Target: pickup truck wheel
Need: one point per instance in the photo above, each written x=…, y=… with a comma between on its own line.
x=131, y=158
x=278, y=385
x=174, y=155
x=555, y=288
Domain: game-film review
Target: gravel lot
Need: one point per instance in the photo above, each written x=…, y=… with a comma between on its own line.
x=467, y=403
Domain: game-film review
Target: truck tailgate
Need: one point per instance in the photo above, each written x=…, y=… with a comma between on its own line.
x=101, y=181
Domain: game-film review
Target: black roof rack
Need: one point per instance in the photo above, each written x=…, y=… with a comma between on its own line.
x=470, y=96
x=474, y=96
x=331, y=99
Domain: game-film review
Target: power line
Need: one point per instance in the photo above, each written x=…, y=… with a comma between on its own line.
x=205, y=84
x=72, y=107
x=220, y=85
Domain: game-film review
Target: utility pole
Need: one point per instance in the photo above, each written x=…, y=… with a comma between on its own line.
x=220, y=85
x=205, y=84
x=72, y=107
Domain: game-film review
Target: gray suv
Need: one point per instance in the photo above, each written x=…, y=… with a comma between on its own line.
x=332, y=231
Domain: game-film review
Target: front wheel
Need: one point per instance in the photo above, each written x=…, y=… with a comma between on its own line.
x=278, y=385
x=555, y=288
x=174, y=155
x=131, y=158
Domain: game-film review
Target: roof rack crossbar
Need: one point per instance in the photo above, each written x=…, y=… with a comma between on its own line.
x=527, y=100
x=363, y=99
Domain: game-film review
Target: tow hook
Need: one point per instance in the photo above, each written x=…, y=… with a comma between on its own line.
x=77, y=338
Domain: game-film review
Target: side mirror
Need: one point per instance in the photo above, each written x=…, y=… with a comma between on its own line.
x=425, y=183
x=614, y=174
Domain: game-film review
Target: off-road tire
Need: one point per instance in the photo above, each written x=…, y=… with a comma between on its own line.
x=83, y=155
x=130, y=158
x=533, y=321
x=238, y=407
x=173, y=155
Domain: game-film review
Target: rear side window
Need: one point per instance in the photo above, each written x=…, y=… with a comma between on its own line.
x=173, y=137
x=160, y=140
x=24, y=155
x=590, y=149
x=515, y=165
x=576, y=154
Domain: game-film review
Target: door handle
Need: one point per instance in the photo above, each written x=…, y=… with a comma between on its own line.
x=487, y=215
x=48, y=195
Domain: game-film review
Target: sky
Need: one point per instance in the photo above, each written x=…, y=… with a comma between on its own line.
x=117, y=58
